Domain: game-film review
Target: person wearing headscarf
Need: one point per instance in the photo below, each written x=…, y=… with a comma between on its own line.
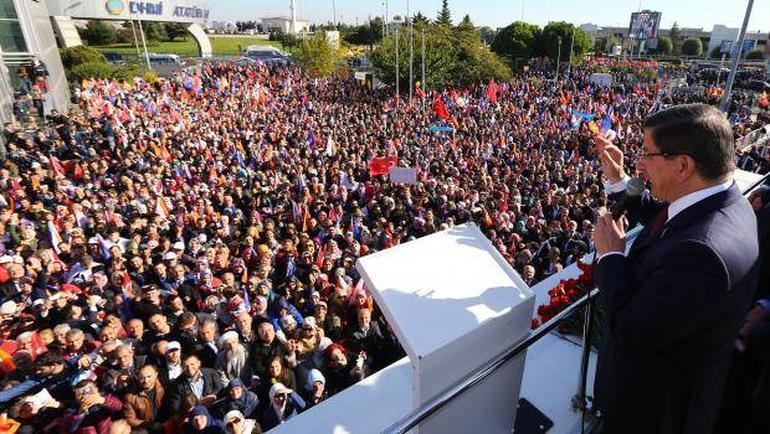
x=284, y=404
x=201, y=421
x=238, y=397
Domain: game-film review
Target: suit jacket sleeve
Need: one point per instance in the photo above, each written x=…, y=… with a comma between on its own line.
x=669, y=304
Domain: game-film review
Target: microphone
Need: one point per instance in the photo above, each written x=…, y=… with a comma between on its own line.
x=634, y=188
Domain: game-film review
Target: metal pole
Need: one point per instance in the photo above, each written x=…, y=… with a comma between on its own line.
x=136, y=41
x=558, y=60
x=422, y=64
x=384, y=21
x=144, y=43
x=334, y=13
x=736, y=58
x=579, y=400
x=398, y=71
x=721, y=65
x=411, y=52
x=571, y=46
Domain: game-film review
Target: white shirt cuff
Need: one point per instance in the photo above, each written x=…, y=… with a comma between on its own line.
x=604, y=255
x=616, y=187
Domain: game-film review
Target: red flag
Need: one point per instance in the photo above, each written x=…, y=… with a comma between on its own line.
x=492, y=91
x=439, y=108
x=381, y=165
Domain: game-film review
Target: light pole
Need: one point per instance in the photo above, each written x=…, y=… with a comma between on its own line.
x=569, y=59
x=558, y=59
x=411, y=52
x=736, y=53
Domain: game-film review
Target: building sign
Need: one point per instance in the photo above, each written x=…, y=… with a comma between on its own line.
x=191, y=12
x=145, y=8
x=181, y=11
x=114, y=7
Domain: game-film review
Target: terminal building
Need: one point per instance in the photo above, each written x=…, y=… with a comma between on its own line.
x=31, y=32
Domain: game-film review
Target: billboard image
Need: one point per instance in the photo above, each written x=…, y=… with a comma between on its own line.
x=644, y=25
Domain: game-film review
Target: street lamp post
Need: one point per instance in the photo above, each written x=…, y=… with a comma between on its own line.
x=558, y=59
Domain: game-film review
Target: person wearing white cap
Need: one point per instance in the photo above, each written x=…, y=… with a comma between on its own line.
x=232, y=359
x=284, y=404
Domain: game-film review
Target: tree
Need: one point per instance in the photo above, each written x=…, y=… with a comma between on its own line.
x=153, y=32
x=365, y=34
x=175, y=30
x=420, y=19
x=757, y=54
x=487, y=35
x=692, y=47
x=516, y=41
x=99, y=33
x=316, y=56
x=676, y=39
x=547, y=42
x=466, y=25
x=74, y=56
x=452, y=58
x=444, y=15
x=664, y=45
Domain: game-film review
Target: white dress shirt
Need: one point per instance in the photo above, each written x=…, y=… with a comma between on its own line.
x=674, y=207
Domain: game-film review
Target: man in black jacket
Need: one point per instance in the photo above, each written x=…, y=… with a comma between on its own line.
x=203, y=383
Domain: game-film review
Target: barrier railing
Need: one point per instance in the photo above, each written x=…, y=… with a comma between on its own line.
x=579, y=401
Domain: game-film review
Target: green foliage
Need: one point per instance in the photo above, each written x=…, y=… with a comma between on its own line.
x=175, y=30
x=487, y=35
x=665, y=46
x=365, y=34
x=676, y=39
x=288, y=40
x=153, y=32
x=692, y=47
x=452, y=58
x=756, y=54
x=444, y=15
x=516, y=41
x=126, y=35
x=466, y=25
x=547, y=41
x=98, y=33
x=90, y=70
x=420, y=19
x=74, y=56
x=316, y=56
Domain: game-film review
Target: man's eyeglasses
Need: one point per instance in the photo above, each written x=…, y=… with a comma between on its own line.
x=643, y=155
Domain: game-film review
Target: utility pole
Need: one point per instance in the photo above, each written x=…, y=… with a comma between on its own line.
x=558, y=60
x=424, y=86
x=736, y=53
x=398, y=70
x=411, y=52
x=569, y=60
x=144, y=43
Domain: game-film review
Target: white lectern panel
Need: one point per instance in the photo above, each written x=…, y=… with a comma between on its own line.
x=454, y=303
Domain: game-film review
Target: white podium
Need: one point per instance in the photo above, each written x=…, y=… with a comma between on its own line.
x=454, y=303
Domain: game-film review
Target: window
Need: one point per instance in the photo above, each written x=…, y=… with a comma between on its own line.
x=11, y=36
x=7, y=10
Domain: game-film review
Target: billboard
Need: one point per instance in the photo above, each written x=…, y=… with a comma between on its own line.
x=726, y=46
x=182, y=11
x=644, y=25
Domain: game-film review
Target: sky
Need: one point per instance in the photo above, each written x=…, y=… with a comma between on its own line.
x=499, y=13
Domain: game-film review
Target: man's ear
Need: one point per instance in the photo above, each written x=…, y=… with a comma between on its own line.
x=685, y=168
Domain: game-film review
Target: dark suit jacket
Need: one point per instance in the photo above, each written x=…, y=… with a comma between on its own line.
x=212, y=384
x=674, y=306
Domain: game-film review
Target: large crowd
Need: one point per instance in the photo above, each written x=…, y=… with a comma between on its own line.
x=179, y=256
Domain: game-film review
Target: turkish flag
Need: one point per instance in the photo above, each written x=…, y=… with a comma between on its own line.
x=439, y=108
x=381, y=165
x=492, y=91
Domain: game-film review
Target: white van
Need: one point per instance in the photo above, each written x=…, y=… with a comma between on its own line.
x=165, y=59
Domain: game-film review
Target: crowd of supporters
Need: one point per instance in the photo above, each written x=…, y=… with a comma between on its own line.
x=179, y=256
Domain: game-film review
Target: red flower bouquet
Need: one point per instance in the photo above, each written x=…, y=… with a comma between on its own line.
x=565, y=293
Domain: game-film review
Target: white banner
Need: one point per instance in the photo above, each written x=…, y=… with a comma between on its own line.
x=403, y=175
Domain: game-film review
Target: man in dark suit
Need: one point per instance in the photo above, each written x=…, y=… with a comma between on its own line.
x=675, y=302
x=203, y=383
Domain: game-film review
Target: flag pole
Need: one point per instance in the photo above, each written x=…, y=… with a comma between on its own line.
x=736, y=53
